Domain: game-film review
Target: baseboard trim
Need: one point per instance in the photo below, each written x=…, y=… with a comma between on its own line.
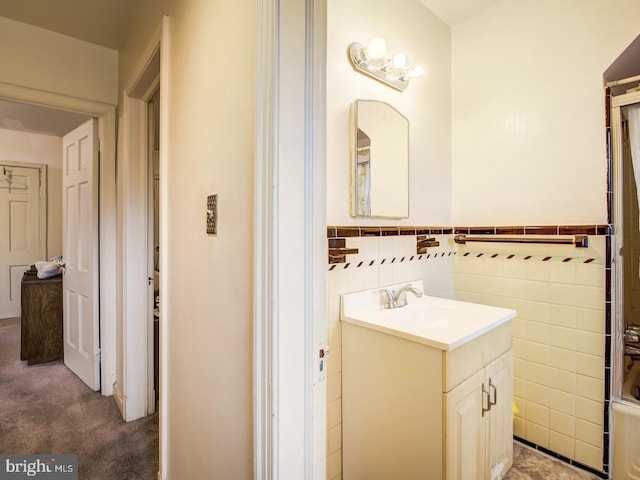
x=119, y=398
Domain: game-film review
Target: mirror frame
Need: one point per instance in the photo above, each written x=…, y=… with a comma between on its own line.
x=360, y=176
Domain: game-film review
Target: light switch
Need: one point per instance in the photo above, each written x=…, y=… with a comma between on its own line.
x=212, y=214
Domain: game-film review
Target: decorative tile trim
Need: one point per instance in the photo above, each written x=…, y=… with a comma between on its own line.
x=386, y=231
x=537, y=230
x=387, y=261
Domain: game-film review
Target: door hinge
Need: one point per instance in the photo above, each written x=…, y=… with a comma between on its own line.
x=322, y=357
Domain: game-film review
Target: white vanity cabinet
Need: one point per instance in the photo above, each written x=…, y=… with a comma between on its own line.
x=480, y=445
x=414, y=411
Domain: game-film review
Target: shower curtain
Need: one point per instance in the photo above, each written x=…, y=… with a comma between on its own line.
x=633, y=112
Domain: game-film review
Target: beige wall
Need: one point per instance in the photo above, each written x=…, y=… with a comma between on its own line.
x=426, y=103
x=44, y=150
x=413, y=29
x=43, y=60
x=211, y=119
x=528, y=110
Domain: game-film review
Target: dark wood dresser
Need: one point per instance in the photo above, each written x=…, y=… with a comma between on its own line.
x=41, y=322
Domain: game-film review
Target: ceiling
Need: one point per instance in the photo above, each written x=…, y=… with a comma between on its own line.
x=456, y=11
x=103, y=22
x=106, y=23
x=34, y=119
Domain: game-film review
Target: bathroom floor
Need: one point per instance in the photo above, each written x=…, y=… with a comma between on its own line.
x=530, y=464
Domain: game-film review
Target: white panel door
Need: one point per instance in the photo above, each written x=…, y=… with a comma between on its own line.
x=22, y=232
x=80, y=247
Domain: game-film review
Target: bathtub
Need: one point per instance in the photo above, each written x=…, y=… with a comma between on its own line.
x=626, y=431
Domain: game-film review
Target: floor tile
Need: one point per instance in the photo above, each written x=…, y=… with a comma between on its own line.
x=530, y=464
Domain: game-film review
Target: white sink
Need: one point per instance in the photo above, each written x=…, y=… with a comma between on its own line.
x=437, y=322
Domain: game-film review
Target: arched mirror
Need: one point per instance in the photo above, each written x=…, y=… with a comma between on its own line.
x=380, y=166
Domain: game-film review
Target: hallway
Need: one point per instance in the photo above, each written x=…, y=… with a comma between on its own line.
x=47, y=409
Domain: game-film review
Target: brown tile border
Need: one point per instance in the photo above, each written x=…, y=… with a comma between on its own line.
x=387, y=231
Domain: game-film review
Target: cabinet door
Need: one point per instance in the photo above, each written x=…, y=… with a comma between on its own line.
x=464, y=432
x=499, y=426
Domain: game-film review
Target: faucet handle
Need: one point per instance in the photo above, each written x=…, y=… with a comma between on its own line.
x=389, y=301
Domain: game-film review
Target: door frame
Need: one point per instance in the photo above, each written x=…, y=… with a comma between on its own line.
x=290, y=204
x=617, y=286
x=137, y=332
x=132, y=390
x=106, y=115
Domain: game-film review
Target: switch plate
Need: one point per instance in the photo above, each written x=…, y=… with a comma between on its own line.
x=212, y=214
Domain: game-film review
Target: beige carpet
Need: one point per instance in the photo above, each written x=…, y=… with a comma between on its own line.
x=46, y=409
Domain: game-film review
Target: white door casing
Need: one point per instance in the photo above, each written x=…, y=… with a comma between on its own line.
x=22, y=227
x=80, y=251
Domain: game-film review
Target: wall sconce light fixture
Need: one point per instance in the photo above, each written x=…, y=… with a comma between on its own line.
x=373, y=60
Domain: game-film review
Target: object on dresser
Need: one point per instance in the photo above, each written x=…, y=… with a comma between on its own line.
x=51, y=268
x=41, y=318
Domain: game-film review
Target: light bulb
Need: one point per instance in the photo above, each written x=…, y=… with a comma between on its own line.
x=399, y=60
x=377, y=48
x=417, y=71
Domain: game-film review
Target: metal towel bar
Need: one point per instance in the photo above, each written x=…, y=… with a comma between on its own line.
x=580, y=241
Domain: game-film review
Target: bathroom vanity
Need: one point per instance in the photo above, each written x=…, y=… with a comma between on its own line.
x=427, y=389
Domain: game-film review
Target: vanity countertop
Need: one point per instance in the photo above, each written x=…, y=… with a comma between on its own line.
x=433, y=321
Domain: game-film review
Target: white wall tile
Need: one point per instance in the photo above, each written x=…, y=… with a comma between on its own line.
x=334, y=465
x=537, y=414
x=334, y=439
x=334, y=360
x=537, y=291
x=562, y=423
x=590, y=274
x=334, y=413
x=537, y=311
x=562, y=444
x=562, y=337
x=537, y=373
x=588, y=455
x=590, y=388
x=515, y=288
x=537, y=352
x=334, y=387
x=588, y=342
x=536, y=270
x=590, y=410
x=537, y=434
x=562, y=272
x=590, y=365
x=590, y=320
x=562, y=315
x=519, y=427
x=337, y=281
x=538, y=394
x=589, y=433
x=537, y=332
x=562, y=358
x=561, y=401
x=562, y=294
x=514, y=269
x=590, y=297
x=563, y=380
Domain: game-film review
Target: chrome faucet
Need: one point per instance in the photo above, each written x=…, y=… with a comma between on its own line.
x=398, y=298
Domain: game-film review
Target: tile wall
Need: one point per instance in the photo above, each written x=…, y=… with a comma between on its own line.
x=381, y=260
x=560, y=332
x=558, y=338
